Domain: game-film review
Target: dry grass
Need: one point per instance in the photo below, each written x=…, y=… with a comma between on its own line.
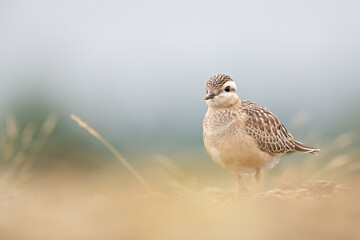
x=64, y=211
x=293, y=204
x=108, y=145
x=18, y=149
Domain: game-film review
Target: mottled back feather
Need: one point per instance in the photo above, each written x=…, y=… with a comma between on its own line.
x=269, y=133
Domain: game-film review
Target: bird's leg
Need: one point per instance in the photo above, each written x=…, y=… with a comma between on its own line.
x=240, y=187
x=258, y=177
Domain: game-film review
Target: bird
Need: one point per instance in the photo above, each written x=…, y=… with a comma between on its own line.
x=242, y=136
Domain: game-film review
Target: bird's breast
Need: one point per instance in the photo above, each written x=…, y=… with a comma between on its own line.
x=231, y=147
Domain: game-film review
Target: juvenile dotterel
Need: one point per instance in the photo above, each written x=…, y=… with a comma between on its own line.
x=242, y=136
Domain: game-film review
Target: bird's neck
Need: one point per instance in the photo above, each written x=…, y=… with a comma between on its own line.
x=235, y=103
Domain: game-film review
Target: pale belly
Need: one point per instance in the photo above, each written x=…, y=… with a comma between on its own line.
x=238, y=153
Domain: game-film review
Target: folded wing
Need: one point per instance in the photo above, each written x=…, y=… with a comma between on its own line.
x=269, y=133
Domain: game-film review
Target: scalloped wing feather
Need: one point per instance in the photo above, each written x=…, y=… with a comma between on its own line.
x=269, y=133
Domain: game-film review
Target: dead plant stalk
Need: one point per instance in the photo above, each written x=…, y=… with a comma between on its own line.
x=112, y=149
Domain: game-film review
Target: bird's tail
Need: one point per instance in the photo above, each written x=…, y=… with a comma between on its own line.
x=300, y=147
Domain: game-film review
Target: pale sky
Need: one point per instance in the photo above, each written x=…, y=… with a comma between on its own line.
x=145, y=63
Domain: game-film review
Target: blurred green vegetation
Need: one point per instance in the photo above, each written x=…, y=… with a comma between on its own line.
x=71, y=146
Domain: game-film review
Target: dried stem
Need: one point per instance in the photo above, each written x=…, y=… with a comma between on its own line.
x=112, y=149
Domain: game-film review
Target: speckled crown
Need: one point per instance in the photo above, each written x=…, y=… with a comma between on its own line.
x=218, y=80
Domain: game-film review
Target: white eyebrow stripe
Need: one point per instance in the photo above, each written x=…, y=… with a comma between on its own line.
x=231, y=84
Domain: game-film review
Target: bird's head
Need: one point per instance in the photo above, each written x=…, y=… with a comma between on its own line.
x=221, y=91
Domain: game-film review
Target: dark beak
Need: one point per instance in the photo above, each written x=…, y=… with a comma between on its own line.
x=209, y=96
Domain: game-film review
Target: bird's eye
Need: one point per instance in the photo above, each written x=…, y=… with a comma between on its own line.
x=206, y=91
x=227, y=89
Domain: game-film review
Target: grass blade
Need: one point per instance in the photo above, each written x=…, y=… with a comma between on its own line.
x=112, y=149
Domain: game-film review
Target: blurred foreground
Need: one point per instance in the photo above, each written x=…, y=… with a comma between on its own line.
x=64, y=211
x=66, y=202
